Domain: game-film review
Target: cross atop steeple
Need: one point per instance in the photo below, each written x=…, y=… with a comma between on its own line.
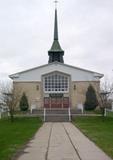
x=56, y=53
x=55, y=4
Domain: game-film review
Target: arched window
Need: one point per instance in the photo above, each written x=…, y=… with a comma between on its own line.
x=56, y=82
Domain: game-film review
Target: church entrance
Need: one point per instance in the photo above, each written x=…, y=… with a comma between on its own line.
x=56, y=101
x=56, y=90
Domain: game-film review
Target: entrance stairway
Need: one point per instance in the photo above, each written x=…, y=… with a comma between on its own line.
x=56, y=115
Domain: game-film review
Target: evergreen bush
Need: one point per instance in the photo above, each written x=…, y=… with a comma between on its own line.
x=91, y=101
x=24, y=105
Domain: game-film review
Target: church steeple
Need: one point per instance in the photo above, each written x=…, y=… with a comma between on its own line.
x=56, y=53
x=55, y=26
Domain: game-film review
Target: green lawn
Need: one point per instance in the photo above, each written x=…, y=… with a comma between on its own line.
x=14, y=135
x=98, y=130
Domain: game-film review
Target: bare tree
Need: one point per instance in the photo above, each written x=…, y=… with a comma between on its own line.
x=10, y=96
x=107, y=87
x=105, y=94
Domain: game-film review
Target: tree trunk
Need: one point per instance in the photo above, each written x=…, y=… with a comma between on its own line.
x=11, y=115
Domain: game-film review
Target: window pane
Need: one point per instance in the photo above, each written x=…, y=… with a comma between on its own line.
x=56, y=82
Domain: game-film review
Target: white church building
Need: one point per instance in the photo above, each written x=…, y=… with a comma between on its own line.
x=56, y=84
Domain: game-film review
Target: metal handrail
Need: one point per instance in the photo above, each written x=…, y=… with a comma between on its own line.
x=44, y=114
x=69, y=112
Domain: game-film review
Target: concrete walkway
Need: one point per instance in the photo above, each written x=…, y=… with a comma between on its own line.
x=61, y=141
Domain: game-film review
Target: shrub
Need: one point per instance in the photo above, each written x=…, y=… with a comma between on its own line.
x=91, y=101
x=24, y=103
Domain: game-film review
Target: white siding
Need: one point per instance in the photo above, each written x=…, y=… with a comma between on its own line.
x=36, y=73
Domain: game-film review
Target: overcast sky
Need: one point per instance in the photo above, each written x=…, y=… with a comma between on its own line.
x=85, y=34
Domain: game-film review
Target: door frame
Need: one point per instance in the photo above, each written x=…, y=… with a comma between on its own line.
x=48, y=102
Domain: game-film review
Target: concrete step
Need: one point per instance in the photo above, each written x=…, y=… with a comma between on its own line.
x=53, y=115
x=56, y=111
x=76, y=111
x=38, y=111
x=50, y=111
x=56, y=118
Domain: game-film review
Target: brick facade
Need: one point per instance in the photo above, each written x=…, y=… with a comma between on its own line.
x=34, y=91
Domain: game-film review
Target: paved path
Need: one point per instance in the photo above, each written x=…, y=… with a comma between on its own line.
x=61, y=141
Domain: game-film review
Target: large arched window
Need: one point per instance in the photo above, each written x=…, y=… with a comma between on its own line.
x=56, y=83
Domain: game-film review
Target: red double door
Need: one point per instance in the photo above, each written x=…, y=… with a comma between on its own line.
x=56, y=102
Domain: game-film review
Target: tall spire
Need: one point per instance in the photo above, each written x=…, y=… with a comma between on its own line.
x=55, y=26
x=56, y=53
